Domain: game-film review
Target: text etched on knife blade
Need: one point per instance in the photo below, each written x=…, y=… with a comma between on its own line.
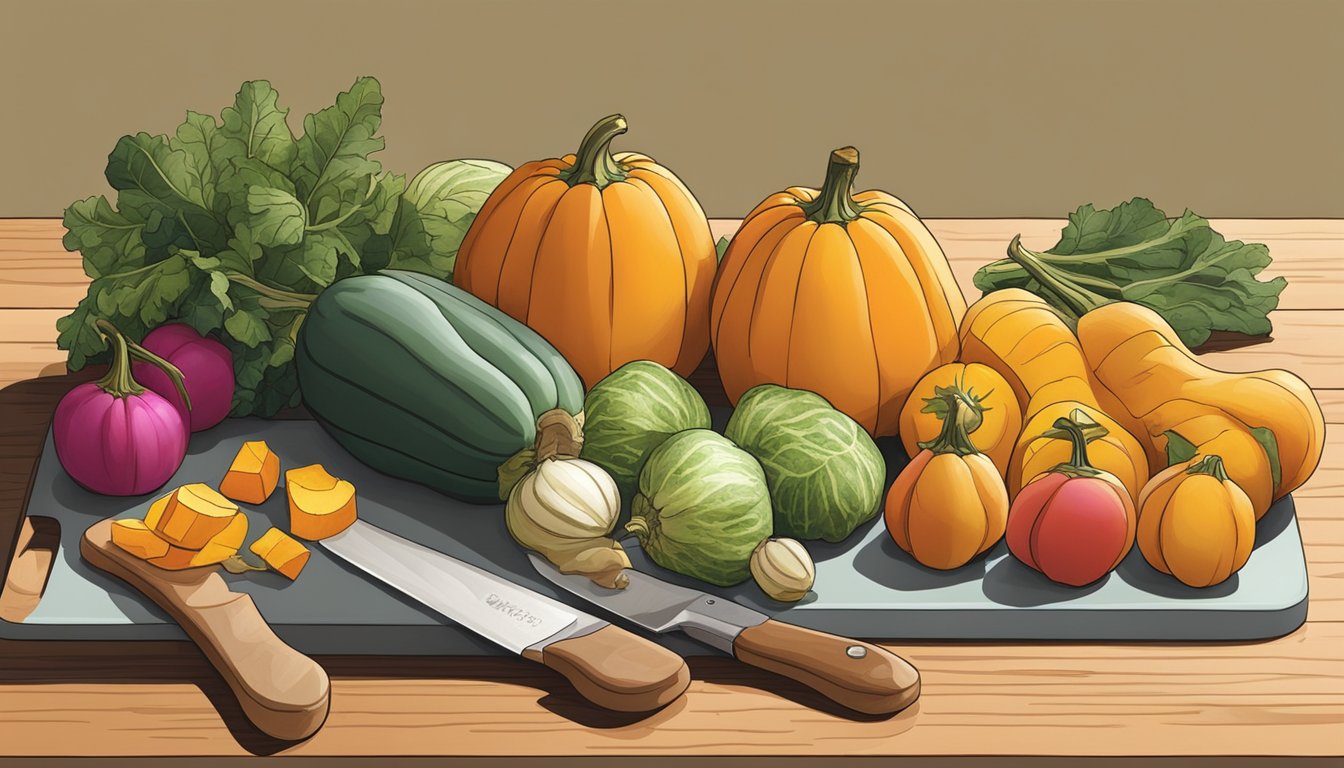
x=513, y=610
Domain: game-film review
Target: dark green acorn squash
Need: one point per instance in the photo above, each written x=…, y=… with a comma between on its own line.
x=423, y=381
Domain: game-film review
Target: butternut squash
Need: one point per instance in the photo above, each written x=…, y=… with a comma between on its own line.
x=1017, y=334
x=253, y=475
x=320, y=505
x=190, y=516
x=137, y=538
x=281, y=552
x=1141, y=361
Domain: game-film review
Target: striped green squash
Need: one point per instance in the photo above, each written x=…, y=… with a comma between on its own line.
x=423, y=381
x=702, y=507
x=825, y=473
x=631, y=412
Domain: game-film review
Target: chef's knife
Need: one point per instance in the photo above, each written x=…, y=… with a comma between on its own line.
x=861, y=676
x=607, y=665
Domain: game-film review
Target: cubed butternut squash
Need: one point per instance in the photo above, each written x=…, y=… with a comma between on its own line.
x=253, y=475
x=191, y=516
x=219, y=548
x=320, y=505
x=137, y=538
x=281, y=552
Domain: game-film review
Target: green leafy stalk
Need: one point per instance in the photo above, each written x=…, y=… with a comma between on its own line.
x=1180, y=268
x=233, y=225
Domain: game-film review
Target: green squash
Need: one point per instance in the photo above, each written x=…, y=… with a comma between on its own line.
x=825, y=473
x=631, y=412
x=702, y=507
x=423, y=381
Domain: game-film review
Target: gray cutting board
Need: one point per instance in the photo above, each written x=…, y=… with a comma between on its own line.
x=866, y=586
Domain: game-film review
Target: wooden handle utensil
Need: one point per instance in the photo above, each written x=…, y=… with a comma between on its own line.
x=284, y=693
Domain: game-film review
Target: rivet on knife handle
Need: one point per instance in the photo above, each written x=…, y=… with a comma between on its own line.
x=617, y=670
x=861, y=676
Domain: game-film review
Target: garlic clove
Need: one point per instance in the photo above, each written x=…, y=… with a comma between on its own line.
x=783, y=569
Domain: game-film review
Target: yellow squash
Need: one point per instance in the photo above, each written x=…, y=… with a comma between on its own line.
x=1028, y=343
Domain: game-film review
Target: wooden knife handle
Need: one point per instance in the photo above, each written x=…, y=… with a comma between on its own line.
x=284, y=693
x=617, y=670
x=860, y=676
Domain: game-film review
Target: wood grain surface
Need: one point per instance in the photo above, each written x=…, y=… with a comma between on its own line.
x=1268, y=703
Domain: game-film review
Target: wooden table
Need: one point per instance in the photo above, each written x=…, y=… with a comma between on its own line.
x=992, y=704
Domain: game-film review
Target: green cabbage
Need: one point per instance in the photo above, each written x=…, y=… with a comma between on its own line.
x=631, y=412
x=825, y=473
x=448, y=196
x=702, y=507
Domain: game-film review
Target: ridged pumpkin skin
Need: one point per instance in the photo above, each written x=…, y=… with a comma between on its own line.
x=1195, y=523
x=845, y=295
x=609, y=257
x=949, y=504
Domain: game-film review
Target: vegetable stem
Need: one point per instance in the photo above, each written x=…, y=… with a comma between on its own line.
x=594, y=163
x=961, y=416
x=835, y=203
x=1079, y=429
x=284, y=299
x=118, y=381
x=1074, y=299
x=1210, y=465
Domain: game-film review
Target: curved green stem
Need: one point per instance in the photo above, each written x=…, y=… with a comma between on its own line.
x=961, y=416
x=118, y=381
x=1074, y=299
x=835, y=203
x=593, y=163
x=1210, y=465
x=1079, y=429
x=289, y=298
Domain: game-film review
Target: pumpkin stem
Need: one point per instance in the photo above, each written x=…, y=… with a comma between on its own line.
x=1210, y=465
x=1068, y=295
x=1079, y=429
x=835, y=203
x=593, y=163
x=961, y=415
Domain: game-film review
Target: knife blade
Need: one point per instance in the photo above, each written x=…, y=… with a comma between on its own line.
x=607, y=665
x=861, y=676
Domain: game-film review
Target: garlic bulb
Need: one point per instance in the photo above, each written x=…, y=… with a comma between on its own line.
x=783, y=569
x=563, y=510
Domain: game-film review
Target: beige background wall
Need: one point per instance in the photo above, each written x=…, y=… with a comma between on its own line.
x=964, y=107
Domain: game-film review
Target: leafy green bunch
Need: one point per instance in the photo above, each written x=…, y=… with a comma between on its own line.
x=234, y=225
x=1181, y=268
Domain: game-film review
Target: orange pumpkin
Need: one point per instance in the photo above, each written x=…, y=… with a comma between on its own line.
x=607, y=256
x=847, y=295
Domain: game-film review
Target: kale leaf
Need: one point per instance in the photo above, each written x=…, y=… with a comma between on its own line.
x=1181, y=268
x=233, y=225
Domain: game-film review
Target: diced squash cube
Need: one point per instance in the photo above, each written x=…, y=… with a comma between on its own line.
x=281, y=552
x=319, y=505
x=137, y=538
x=219, y=548
x=191, y=516
x=253, y=475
